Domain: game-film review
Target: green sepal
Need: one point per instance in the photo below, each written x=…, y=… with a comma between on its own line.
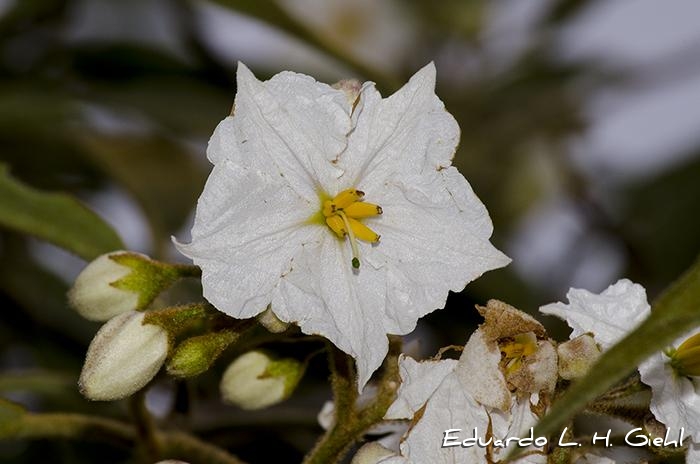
x=197, y=354
x=289, y=369
x=148, y=277
x=178, y=319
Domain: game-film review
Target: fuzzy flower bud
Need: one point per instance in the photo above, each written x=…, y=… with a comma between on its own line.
x=255, y=380
x=577, y=356
x=93, y=294
x=122, y=281
x=123, y=357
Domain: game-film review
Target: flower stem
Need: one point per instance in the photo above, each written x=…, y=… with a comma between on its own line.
x=352, y=422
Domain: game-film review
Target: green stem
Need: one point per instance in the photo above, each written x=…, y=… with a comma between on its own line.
x=351, y=423
x=82, y=427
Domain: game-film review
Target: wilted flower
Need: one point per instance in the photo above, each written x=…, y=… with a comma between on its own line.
x=617, y=311
x=283, y=220
x=123, y=357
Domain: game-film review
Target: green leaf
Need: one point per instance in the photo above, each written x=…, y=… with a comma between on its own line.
x=54, y=217
x=675, y=312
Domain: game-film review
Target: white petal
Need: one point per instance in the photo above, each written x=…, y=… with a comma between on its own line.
x=419, y=380
x=517, y=423
x=430, y=243
x=675, y=400
x=609, y=316
x=289, y=126
x=450, y=407
x=409, y=132
x=693, y=455
x=489, y=386
x=325, y=296
x=247, y=229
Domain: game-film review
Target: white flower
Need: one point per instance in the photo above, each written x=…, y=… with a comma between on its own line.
x=614, y=313
x=281, y=217
x=675, y=399
x=609, y=316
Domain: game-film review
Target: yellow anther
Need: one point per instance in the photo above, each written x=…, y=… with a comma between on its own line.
x=361, y=209
x=341, y=214
x=362, y=232
x=347, y=197
x=337, y=225
x=685, y=360
x=517, y=347
x=329, y=208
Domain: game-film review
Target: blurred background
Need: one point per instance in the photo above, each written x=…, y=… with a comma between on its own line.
x=579, y=132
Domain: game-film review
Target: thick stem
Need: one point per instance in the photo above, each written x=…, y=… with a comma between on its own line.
x=351, y=423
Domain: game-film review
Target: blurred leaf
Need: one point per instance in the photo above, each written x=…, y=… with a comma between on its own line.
x=674, y=312
x=55, y=217
x=10, y=417
x=657, y=223
x=272, y=14
x=163, y=175
x=184, y=106
x=20, y=277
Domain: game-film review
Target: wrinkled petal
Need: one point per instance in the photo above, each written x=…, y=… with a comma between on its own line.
x=609, y=316
x=419, y=380
x=247, y=229
x=407, y=133
x=517, y=423
x=450, y=407
x=489, y=386
x=290, y=126
x=675, y=400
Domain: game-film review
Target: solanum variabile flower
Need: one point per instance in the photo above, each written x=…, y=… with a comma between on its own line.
x=339, y=209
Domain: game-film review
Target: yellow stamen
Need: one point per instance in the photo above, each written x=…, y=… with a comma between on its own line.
x=517, y=347
x=337, y=225
x=361, y=209
x=342, y=213
x=347, y=197
x=362, y=232
x=686, y=359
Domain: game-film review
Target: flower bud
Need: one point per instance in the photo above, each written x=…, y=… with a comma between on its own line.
x=685, y=360
x=271, y=322
x=123, y=357
x=93, y=294
x=122, y=281
x=196, y=354
x=371, y=453
x=577, y=356
x=255, y=380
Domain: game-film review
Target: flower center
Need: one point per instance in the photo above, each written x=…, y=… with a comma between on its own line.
x=514, y=349
x=685, y=360
x=342, y=214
